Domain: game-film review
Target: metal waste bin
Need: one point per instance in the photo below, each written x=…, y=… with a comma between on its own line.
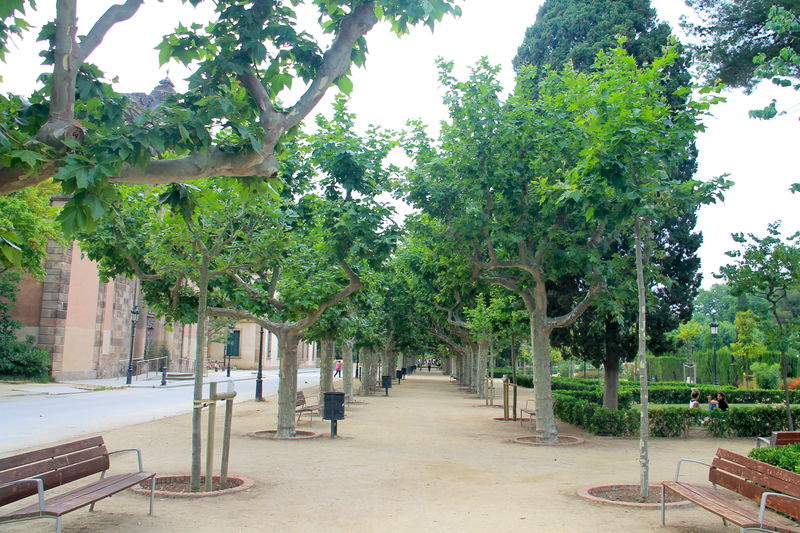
x=333, y=407
x=399, y=375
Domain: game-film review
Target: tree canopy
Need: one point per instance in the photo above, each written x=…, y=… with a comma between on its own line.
x=231, y=121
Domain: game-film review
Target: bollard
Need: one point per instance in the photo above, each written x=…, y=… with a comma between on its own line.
x=164, y=376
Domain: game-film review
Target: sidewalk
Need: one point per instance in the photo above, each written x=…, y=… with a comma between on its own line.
x=425, y=458
x=153, y=381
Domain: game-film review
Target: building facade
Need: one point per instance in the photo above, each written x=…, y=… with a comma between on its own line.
x=88, y=328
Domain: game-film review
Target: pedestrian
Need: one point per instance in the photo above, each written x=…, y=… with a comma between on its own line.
x=338, y=368
x=429, y=367
x=694, y=403
x=720, y=402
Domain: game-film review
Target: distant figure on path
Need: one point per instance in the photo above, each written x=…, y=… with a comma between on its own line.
x=338, y=368
x=429, y=366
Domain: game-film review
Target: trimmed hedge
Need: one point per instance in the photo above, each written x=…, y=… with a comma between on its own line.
x=786, y=457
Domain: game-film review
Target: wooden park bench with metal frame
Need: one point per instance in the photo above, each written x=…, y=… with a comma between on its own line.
x=34, y=473
x=778, y=438
x=302, y=407
x=530, y=410
x=774, y=488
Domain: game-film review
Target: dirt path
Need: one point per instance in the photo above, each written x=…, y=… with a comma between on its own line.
x=426, y=458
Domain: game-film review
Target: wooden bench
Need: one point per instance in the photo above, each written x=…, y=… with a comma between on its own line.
x=34, y=473
x=774, y=488
x=779, y=438
x=302, y=407
x=530, y=410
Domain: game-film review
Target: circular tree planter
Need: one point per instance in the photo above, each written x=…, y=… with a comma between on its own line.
x=177, y=486
x=563, y=440
x=271, y=434
x=628, y=496
x=501, y=419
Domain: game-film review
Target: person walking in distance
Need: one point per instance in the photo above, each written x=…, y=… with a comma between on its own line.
x=338, y=369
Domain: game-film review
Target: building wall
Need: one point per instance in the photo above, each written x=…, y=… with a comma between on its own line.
x=85, y=324
x=80, y=322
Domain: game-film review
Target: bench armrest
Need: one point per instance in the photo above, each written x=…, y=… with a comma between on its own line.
x=763, y=507
x=39, y=488
x=760, y=440
x=680, y=462
x=138, y=455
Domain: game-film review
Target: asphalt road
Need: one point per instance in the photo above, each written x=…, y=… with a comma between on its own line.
x=40, y=419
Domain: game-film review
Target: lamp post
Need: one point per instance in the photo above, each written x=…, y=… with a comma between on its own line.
x=259, y=376
x=134, y=319
x=714, y=331
x=229, y=348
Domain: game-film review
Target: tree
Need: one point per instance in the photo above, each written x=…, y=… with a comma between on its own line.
x=27, y=224
x=214, y=231
x=572, y=32
x=736, y=36
x=769, y=268
x=230, y=122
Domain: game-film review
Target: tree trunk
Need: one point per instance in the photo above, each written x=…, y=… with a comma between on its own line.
x=786, y=397
x=483, y=355
x=644, y=426
x=347, y=366
x=611, y=381
x=199, y=356
x=366, y=371
x=287, y=386
x=326, y=366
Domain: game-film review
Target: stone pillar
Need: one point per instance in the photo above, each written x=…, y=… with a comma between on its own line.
x=55, y=290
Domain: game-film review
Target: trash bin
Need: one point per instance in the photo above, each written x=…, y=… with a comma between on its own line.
x=386, y=382
x=399, y=375
x=333, y=406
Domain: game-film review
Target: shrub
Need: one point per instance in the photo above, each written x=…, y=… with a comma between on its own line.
x=748, y=421
x=786, y=457
x=23, y=359
x=768, y=375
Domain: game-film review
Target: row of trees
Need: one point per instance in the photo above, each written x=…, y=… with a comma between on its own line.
x=575, y=191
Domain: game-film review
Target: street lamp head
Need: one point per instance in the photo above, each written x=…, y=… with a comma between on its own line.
x=714, y=327
x=231, y=327
x=135, y=313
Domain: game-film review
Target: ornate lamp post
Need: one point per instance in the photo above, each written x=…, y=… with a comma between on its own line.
x=134, y=319
x=260, y=376
x=714, y=331
x=229, y=349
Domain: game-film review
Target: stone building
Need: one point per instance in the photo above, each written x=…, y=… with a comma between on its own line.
x=86, y=326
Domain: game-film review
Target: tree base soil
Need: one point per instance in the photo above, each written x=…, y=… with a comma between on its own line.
x=423, y=459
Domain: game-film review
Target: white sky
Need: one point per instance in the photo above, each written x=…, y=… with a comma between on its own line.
x=399, y=83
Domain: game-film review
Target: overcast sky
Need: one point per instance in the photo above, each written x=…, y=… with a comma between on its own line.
x=399, y=83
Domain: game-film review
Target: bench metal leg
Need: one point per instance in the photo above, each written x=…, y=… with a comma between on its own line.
x=152, y=494
x=663, y=505
x=58, y=524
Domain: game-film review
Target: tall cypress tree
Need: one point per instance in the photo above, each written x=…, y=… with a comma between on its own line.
x=573, y=31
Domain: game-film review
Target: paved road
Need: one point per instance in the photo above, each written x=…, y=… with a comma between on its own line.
x=34, y=420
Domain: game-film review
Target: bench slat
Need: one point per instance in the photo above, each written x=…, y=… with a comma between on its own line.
x=713, y=501
x=22, y=459
x=758, y=466
x=83, y=496
x=774, y=483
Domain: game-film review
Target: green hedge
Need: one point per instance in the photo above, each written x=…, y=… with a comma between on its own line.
x=748, y=421
x=786, y=457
